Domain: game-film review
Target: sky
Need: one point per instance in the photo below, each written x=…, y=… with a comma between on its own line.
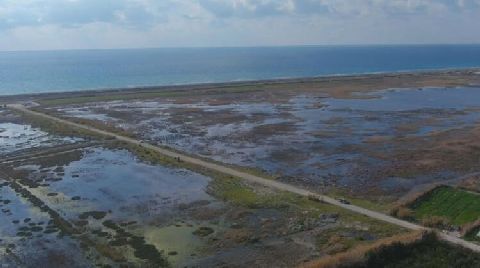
x=101, y=24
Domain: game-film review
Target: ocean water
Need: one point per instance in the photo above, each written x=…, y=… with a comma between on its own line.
x=72, y=70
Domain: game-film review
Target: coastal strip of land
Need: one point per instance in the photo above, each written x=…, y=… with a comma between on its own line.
x=246, y=176
x=333, y=83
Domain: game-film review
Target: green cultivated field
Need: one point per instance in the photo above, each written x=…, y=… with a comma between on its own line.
x=459, y=206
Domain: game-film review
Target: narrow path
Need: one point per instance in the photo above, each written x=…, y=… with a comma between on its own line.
x=252, y=178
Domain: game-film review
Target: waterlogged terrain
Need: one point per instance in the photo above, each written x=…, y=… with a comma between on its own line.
x=29, y=236
x=97, y=201
x=113, y=197
x=99, y=204
x=16, y=136
x=371, y=142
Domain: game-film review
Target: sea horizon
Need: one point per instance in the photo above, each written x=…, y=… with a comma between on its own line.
x=49, y=71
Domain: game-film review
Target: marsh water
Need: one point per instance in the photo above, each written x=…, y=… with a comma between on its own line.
x=118, y=209
x=114, y=201
x=15, y=137
x=116, y=181
x=319, y=138
x=31, y=234
x=112, y=185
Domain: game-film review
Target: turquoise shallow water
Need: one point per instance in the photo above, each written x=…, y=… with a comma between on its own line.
x=72, y=70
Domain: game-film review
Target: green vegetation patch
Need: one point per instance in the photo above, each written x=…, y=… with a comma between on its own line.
x=457, y=206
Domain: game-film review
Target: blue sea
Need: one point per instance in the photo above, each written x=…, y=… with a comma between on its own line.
x=73, y=70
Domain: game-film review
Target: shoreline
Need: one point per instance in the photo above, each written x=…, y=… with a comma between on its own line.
x=213, y=85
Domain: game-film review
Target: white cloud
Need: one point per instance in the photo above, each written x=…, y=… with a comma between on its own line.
x=52, y=24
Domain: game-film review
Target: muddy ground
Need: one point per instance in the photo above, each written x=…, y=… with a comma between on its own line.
x=75, y=202
x=376, y=136
x=69, y=199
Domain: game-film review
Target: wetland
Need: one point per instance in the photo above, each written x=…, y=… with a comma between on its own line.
x=366, y=141
x=101, y=201
x=70, y=198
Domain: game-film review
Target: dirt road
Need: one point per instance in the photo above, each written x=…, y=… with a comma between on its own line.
x=252, y=178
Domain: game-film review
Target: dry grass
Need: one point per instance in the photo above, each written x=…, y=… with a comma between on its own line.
x=357, y=254
x=436, y=222
x=404, y=213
